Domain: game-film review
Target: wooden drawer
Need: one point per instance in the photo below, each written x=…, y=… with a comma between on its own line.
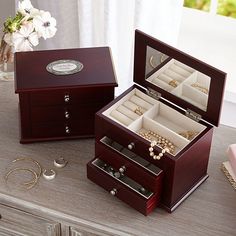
x=64, y=113
x=16, y=222
x=123, y=187
x=64, y=129
x=132, y=165
x=71, y=96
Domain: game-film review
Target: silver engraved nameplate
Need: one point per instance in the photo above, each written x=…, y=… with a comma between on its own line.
x=64, y=67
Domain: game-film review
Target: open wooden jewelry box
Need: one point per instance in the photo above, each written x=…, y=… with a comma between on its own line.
x=153, y=141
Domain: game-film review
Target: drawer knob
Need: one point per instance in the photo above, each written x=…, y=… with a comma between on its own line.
x=67, y=98
x=67, y=115
x=67, y=129
x=131, y=146
x=113, y=192
x=122, y=169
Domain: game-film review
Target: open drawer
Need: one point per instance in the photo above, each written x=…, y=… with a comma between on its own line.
x=129, y=163
x=123, y=187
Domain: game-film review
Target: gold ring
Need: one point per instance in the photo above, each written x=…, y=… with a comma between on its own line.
x=173, y=83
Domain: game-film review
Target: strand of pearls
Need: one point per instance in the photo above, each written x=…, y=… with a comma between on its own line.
x=156, y=139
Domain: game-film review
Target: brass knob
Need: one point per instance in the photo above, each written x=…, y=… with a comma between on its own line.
x=67, y=98
x=113, y=192
x=67, y=129
x=131, y=146
x=67, y=114
x=122, y=169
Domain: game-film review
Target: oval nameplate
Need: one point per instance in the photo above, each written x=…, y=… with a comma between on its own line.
x=64, y=67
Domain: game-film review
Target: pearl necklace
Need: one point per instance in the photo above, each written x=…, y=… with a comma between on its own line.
x=160, y=141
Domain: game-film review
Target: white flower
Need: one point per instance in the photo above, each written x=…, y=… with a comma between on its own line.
x=45, y=25
x=25, y=38
x=25, y=7
x=8, y=39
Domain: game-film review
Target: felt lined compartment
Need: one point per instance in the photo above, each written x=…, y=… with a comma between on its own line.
x=156, y=117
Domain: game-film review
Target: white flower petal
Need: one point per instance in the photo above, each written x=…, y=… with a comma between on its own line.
x=8, y=39
x=33, y=39
x=27, y=29
x=25, y=7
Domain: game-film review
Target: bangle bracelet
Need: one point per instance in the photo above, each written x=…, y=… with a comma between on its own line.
x=33, y=182
x=60, y=162
x=30, y=160
x=49, y=175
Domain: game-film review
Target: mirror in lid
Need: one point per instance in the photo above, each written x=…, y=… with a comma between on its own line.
x=177, y=78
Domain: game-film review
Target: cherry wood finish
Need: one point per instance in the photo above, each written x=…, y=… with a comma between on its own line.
x=218, y=77
x=127, y=195
x=184, y=172
x=62, y=107
x=181, y=173
x=31, y=73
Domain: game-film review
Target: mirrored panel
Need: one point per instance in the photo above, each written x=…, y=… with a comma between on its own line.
x=177, y=78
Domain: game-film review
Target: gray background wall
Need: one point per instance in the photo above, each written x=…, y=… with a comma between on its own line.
x=7, y=8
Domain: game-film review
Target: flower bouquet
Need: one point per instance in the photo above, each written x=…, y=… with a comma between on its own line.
x=23, y=32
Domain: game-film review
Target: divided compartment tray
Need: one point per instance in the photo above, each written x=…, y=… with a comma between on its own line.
x=144, y=204
x=159, y=118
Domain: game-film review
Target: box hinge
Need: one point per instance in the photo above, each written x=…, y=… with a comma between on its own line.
x=193, y=115
x=154, y=94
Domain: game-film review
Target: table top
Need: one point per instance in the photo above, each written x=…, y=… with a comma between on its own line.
x=210, y=210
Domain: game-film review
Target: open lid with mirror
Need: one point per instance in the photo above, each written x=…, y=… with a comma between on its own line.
x=178, y=77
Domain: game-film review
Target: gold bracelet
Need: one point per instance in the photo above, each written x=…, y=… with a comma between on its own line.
x=200, y=88
x=30, y=160
x=23, y=169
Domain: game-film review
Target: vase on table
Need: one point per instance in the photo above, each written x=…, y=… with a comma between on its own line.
x=6, y=62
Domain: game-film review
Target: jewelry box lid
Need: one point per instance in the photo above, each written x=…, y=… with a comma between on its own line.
x=181, y=79
x=64, y=68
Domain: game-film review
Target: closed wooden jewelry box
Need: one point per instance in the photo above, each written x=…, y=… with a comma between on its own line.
x=153, y=141
x=61, y=90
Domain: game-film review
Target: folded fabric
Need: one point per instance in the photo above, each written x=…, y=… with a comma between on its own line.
x=231, y=152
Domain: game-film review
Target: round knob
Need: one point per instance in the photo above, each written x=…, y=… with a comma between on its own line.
x=131, y=146
x=66, y=98
x=67, y=129
x=113, y=192
x=122, y=169
x=67, y=115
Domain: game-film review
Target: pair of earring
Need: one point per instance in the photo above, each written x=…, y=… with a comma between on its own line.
x=51, y=174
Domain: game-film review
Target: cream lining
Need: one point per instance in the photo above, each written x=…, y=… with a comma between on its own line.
x=157, y=117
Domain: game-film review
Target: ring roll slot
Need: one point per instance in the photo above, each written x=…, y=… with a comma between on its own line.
x=121, y=117
x=162, y=84
x=174, y=75
x=145, y=97
x=164, y=78
x=130, y=105
x=132, y=115
x=180, y=70
x=145, y=124
x=183, y=66
x=140, y=102
x=174, y=120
